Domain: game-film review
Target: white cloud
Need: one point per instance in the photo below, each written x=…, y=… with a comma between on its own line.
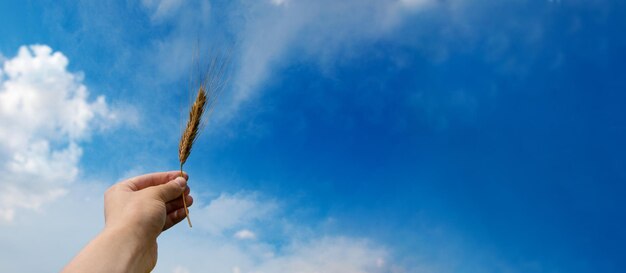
x=268, y=34
x=180, y=269
x=321, y=254
x=162, y=8
x=331, y=255
x=278, y=2
x=228, y=212
x=245, y=234
x=415, y=3
x=319, y=32
x=298, y=251
x=45, y=111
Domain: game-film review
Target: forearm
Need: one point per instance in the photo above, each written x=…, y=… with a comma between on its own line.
x=114, y=250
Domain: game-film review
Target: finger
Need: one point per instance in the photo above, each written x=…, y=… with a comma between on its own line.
x=174, y=218
x=168, y=191
x=152, y=179
x=178, y=203
x=187, y=190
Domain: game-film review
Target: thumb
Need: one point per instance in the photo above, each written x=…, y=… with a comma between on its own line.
x=170, y=190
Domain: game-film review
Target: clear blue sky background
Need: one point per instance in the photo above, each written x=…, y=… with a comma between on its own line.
x=502, y=124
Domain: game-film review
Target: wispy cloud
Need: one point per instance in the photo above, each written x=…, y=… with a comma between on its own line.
x=322, y=32
x=266, y=35
x=229, y=212
x=161, y=9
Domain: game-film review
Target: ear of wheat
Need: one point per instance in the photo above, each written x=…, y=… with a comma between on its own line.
x=190, y=134
x=208, y=92
x=193, y=126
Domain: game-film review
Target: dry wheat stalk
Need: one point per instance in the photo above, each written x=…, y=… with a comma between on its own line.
x=208, y=92
x=190, y=134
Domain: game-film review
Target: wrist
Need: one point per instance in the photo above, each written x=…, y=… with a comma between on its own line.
x=114, y=250
x=129, y=237
x=130, y=247
x=133, y=230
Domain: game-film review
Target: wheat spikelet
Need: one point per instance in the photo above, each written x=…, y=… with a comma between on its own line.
x=209, y=90
x=190, y=134
x=193, y=125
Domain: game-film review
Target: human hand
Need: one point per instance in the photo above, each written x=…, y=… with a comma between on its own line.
x=136, y=211
x=142, y=207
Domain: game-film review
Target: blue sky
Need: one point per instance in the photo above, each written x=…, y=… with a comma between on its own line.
x=354, y=136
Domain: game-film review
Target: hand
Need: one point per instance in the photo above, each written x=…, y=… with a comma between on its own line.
x=145, y=206
x=136, y=211
x=149, y=203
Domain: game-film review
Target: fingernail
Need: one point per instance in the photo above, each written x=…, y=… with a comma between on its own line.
x=181, y=181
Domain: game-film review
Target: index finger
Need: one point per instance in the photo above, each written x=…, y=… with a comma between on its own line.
x=152, y=179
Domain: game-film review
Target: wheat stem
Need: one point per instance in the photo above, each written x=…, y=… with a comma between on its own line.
x=185, y=202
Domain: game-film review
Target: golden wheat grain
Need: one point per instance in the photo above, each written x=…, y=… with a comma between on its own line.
x=208, y=92
x=190, y=135
x=193, y=125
